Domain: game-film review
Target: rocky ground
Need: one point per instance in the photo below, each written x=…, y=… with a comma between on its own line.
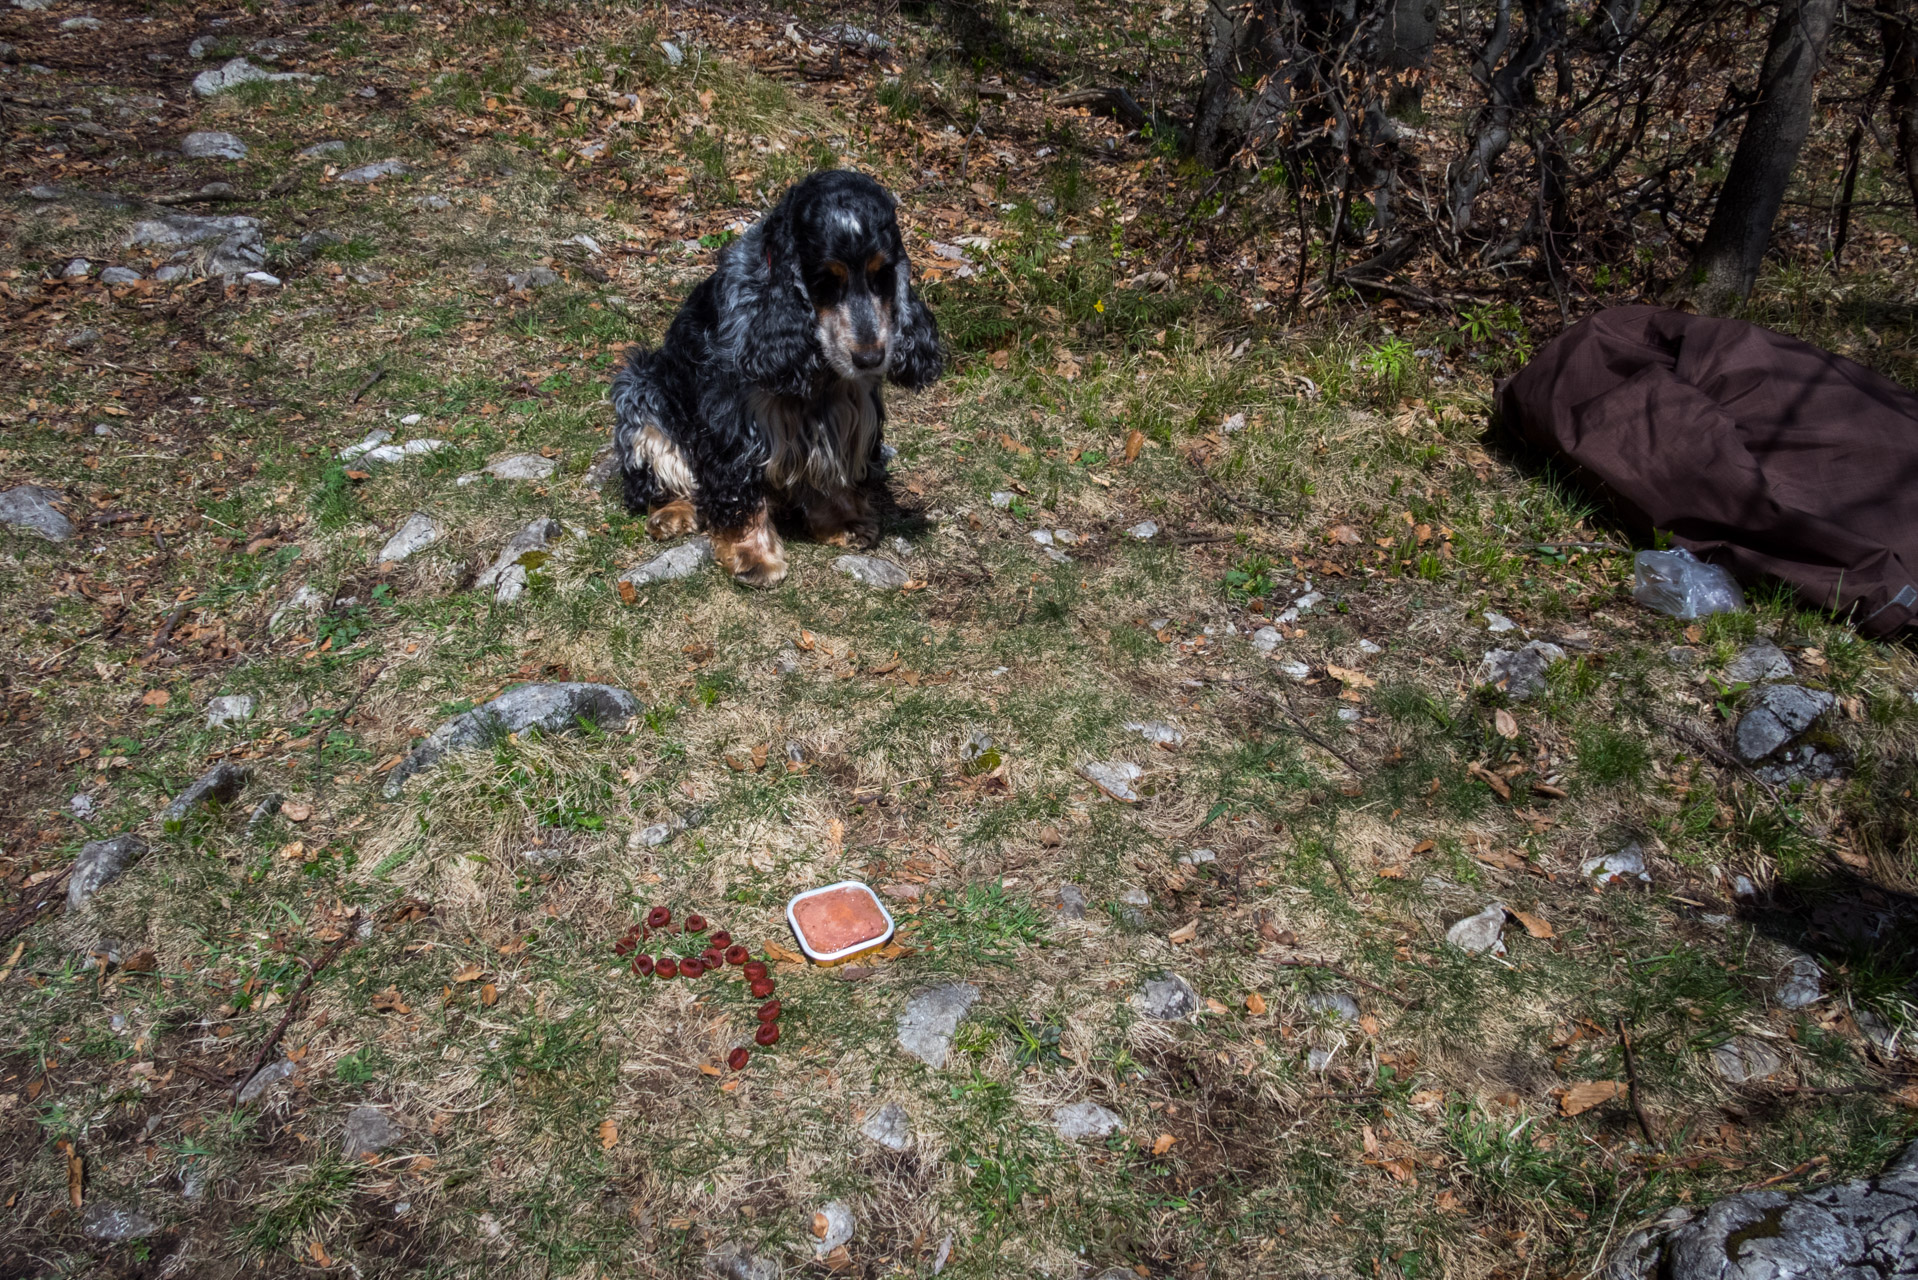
x=1308, y=857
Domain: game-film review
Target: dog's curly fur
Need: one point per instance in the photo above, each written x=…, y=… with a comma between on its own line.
x=767, y=387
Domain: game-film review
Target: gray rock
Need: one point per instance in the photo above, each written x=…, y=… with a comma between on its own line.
x=78, y=269
x=400, y=452
x=872, y=571
x=320, y=150
x=507, y=575
x=603, y=470
x=81, y=806
x=418, y=533
x=228, y=710
x=550, y=708
x=1001, y=498
x=212, y=144
x=1337, y=1003
x=1627, y=863
x=1805, y=762
x=929, y=1019
x=263, y=811
x=1861, y=1230
x=1742, y=1059
x=1198, y=858
x=532, y=278
x=368, y=1131
x=29, y=507
x=371, y=441
x=681, y=561
x=370, y=173
x=1498, y=624
x=890, y=1127
x=1317, y=1061
x=1775, y=716
x=265, y=1078
x=1882, y=1035
x=1758, y=662
x=238, y=243
x=674, y=54
x=170, y=272
x=1480, y=933
x=219, y=785
x=1294, y=669
x=80, y=24
x=1166, y=997
x=265, y=279
x=1265, y=639
x=112, y=1223
x=236, y=73
x=81, y=339
x=119, y=275
x=838, y=1222
x=98, y=862
x=655, y=835
x=1144, y=530
x=1800, y=985
x=1076, y=1120
x=1113, y=777
x=852, y=37
x=1519, y=672
x=521, y=466
x=1160, y=733
x=306, y=602
x=734, y=1263
x=1072, y=902
x=432, y=204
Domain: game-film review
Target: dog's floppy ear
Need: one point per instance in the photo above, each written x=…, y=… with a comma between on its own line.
x=775, y=345
x=916, y=359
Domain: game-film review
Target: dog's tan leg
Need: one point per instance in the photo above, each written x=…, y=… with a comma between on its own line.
x=752, y=554
x=844, y=519
x=672, y=520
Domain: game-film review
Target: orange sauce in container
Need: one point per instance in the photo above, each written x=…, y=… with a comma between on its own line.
x=833, y=922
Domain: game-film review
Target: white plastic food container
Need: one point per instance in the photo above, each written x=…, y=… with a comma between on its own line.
x=866, y=899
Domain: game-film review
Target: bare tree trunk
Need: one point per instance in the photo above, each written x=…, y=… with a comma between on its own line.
x=1508, y=90
x=1405, y=49
x=1896, y=28
x=1727, y=263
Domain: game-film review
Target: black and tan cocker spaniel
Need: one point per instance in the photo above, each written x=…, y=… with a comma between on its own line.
x=766, y=393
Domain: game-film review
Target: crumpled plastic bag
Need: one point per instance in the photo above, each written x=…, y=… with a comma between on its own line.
x=1678, y=583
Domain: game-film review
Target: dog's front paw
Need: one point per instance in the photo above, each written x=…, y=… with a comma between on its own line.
x=754, y=555
x=675, y=519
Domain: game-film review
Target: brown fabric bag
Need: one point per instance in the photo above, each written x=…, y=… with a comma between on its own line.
x=1756, y=451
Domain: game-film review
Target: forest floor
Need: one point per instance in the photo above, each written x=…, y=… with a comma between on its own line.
x=1206, y=1024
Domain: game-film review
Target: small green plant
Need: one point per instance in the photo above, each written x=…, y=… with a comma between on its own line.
x=1035, y=1044
x=1250, y=579
x=899, y=98
x=357, y=1067
x=1389, y=364
x=1607, y=756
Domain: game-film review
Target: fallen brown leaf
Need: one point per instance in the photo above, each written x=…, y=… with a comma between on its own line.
x=294, y=811
x=1050, y=838
x=783, y=955
x=1504, y=722
x=489, y=995
x=1537, y=926
x=759, y=756
x=156, y=697
x=1585, y=1095
x=1255, y=1004
x=390, y=1001
x=1162, y=1144
x=1183, y=934
x=1350, y=678
x=608, y=1134
x=1502, y=788
x=76, y=1173
x=1343, y=534
x=628, y=593
x=469, y=973
x=1134, y=441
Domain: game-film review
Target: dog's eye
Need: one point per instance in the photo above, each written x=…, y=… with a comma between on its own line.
x=876, y=264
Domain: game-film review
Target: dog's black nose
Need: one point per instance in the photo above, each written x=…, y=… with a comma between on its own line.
x=868, y=357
